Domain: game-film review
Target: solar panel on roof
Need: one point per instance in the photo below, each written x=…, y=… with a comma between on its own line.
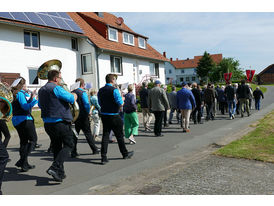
x=20, y=16
x=53, y=14
x=34, y=18
x=72, y=25
x=6, y=15
x=64, y=15
x=60, y=20
x=61, y=23
x=48, y=20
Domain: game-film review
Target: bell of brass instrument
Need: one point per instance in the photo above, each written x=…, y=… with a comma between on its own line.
x=42, y=73
x=6, y=99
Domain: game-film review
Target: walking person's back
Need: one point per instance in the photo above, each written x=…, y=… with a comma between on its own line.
x=257, y=96
x=158, y=103
x=147, y=116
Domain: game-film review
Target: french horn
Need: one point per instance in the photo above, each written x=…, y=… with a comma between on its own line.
x=6, y=99
x=42, y=73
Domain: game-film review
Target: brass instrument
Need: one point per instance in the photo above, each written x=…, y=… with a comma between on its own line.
x=6, y=98
x=42, y=73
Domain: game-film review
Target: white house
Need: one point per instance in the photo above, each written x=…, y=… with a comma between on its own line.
x=119, y=49
x=28, y=39
x=185, y=70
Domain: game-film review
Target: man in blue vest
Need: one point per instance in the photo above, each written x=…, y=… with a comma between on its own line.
x=82, y=122
x=111, y=103
x=55, y=111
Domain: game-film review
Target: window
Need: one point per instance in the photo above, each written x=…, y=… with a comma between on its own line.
x=154, y=69
x=128, y=39
x=187, y=79
x=170, y=71
x=113, y=34
x=74, y=44
x=31, y=40
x=33, y=78
x=182, y=71
x=142, y=42
x=86, y=64
x=182, y=79
x=116, y=65
x=193, y=78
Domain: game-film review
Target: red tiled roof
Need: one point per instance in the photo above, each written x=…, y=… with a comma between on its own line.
x=193, y=63
x=99, y=37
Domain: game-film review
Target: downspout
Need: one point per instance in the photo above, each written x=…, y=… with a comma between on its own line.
x=97, y=54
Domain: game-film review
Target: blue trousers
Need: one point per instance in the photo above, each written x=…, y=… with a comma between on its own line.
x=257, y=104
x=231, y=107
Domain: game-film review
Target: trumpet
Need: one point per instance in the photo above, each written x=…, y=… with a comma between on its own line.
x=6, y=98
x=42, y=73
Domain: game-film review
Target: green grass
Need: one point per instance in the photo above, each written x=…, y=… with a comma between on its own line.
x=256, y=145
x=37, y=120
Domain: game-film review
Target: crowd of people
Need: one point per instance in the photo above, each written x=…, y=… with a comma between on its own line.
x=118, y=113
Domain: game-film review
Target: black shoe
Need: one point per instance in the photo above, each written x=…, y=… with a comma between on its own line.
x=169, y=122
x=54, y=174
x=129, y=155
x=19, y=163
x=30, y=166
x=104, y=160
x=195, y=122
x=38, y=145
x=159, y=135
x=74, y=155
x=96, y=151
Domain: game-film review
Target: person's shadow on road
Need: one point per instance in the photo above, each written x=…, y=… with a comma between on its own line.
x=13, y=174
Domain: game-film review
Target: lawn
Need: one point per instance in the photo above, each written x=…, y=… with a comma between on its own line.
x=256, y=145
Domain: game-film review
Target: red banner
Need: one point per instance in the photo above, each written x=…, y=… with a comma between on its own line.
x=227, y=76
x=249, y=75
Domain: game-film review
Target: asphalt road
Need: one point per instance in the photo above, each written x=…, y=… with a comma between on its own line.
x=85, y=174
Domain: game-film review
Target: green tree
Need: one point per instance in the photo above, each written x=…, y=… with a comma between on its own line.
x=205, y=65
x=230, y=65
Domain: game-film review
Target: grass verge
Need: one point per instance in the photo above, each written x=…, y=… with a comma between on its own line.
x=256, y=145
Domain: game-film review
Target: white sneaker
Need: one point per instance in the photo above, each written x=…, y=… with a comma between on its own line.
x=132, y=140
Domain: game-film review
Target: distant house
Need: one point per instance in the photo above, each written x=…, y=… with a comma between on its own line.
x=267, y=75
x=185, y=70
x=118, y=49
x=28, y=39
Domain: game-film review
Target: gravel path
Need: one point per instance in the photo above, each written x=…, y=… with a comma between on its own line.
x=221, y=176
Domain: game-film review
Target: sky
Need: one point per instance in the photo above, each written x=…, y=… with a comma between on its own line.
x=184, y=29
x=245, y=36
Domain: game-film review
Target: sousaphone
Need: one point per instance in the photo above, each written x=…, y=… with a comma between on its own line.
x=6, y=99
x=42, y=73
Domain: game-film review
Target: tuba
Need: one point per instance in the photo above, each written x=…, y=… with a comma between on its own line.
x=6, y=98
x=42, y=73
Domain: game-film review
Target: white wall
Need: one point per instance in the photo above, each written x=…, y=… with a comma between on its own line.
x=15, y=58
x=131, y=68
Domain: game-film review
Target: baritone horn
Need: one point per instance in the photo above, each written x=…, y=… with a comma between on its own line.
x=42, y=73
x=6, y=98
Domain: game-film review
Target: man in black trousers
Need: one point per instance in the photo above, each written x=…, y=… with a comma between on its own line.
x=82, y=122
x=55, y=111
x=111, y=103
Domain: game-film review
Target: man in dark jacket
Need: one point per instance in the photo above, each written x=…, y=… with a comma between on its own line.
x=111, y=103
x=147, y=116
x=209, y=97
x=257, y=94
x=243, y=92
x=231, y=100
x=173, y=105
x=198, y=99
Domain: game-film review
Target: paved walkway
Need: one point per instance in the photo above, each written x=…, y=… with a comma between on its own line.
x=155, y=161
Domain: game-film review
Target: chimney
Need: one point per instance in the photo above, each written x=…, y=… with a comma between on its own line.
x=164, y=54
x=171, y=59
x=176, y=59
